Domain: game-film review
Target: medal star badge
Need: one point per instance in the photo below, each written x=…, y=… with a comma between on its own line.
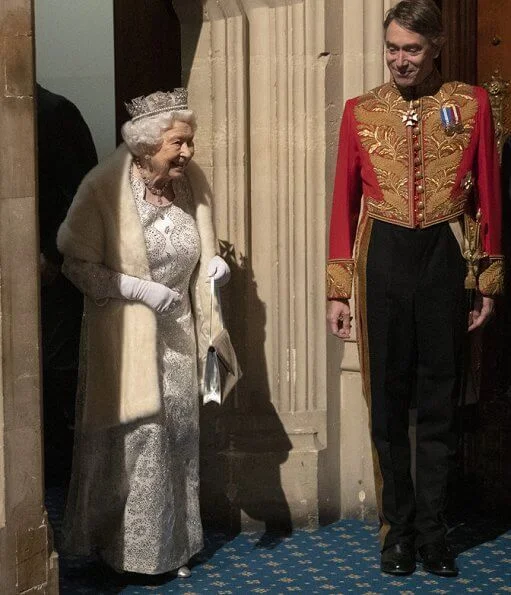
x=411, y=118
x=450, y=116
x=467, y=183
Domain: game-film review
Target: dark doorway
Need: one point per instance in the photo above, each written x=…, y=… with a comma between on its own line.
x=147, y=51
x=478, y=32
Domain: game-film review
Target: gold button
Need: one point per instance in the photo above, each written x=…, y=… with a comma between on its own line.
x=419, y=189
x=417, y=161
x=416, y=131
x=419, y=175
x=416, y=103
x=420, y=204
x=420, y=216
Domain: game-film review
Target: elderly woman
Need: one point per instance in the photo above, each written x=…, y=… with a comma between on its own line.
x=138, y=241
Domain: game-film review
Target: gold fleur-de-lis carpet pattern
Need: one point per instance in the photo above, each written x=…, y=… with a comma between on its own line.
x=341, y=558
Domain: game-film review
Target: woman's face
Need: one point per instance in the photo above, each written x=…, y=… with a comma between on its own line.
x=175, y=153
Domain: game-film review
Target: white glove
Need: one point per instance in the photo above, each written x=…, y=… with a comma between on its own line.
x=219, y=270
x=158, y=297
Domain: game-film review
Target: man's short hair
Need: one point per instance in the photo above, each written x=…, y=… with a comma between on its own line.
x=420, y=16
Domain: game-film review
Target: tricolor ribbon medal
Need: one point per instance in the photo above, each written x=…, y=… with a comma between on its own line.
x=450, y=115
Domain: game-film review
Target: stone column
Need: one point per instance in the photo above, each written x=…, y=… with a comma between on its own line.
x=267, y=79
x=287, y=73
x=256, y=73
x=26, y=561
x=364, y=68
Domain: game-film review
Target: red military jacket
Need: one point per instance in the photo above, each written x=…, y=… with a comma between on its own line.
x=413, y=163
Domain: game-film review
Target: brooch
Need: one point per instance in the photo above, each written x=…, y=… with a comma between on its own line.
x=450, y=116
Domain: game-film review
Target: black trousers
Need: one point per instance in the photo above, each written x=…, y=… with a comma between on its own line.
x=416, y=324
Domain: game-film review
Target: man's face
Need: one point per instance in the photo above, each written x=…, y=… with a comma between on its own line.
x=410, y=57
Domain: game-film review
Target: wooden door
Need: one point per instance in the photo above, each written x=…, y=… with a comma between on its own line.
x=459, y=55
x=493, y=38
x=494, y=49
x=493, y=441
x=479, y=43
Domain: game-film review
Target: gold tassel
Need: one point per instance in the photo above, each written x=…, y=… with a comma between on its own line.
x=473, y=253
x=470, y=279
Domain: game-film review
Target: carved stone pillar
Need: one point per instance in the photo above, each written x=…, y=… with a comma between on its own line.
x=364, y=68
x=26, y=561
x=256, y=72
x=287, y=73
x=267, y=79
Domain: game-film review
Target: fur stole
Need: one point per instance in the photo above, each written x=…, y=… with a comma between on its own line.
x=119, y=352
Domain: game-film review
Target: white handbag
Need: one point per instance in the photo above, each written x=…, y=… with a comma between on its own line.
x=222, y=370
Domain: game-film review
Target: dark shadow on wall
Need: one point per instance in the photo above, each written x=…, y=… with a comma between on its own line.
x=190, y=14
x=329, y=462
x=243, y=441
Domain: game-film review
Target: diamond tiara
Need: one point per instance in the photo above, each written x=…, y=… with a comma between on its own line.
x=157, y=103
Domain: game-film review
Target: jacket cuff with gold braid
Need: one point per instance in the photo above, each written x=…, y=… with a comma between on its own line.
x=339, y=279
x=491, y=279
x=485, y=272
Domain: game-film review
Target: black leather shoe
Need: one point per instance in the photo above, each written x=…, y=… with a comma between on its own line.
x=438, y=558
x=398, y=559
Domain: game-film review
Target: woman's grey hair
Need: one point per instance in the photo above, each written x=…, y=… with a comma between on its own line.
x=420, y=16
x=145, y=136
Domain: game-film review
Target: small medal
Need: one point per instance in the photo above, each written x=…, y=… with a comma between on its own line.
x=450, y=116
x=411, y=118
x=467, y=183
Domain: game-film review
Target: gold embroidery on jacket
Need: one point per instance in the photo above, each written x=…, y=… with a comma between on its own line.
x=442, y=153
x=339, y=277
x=491, y=280
x=382, y=134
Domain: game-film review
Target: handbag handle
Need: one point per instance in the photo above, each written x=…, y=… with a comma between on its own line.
x=211, y=309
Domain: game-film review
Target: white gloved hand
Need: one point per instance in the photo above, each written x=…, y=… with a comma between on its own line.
x=158, y=297
x=219, y=270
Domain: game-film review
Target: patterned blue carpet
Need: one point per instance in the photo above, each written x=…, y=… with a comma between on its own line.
x=340, y=558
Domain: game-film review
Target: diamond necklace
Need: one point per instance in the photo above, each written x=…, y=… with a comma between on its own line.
x=148, y=182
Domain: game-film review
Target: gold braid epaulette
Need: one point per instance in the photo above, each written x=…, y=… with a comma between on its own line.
x=339, y=279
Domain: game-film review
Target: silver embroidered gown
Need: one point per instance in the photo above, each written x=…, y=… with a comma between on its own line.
x=134, y=496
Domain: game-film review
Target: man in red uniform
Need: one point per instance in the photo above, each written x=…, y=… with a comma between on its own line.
x=416, y=159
